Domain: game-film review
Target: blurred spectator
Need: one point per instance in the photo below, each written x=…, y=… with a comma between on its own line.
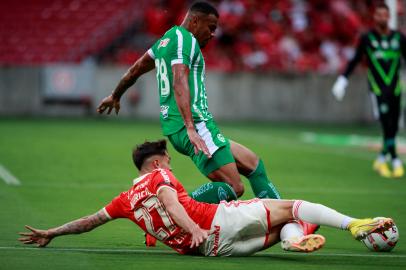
x=330, y=52
x=286, y=35
x=289, y=47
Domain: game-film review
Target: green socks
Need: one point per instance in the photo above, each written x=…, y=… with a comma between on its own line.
x=214, y=193
x=389, y=145
x=260, y=184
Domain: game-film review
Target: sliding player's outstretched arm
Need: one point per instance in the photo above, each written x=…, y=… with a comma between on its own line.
x=177, y=212
x=43, y=237
x=141, y=66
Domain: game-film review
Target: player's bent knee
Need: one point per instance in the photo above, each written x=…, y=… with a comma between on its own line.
x=284, y=207
x=238, y=188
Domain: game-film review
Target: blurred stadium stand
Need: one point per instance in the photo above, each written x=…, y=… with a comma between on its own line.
x=49, y=31
x=269, y=59
x=295, y=35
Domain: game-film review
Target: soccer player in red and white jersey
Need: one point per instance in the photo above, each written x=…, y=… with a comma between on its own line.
x=158, y=203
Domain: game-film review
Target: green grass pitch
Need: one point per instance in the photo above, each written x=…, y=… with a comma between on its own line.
x=72, y=167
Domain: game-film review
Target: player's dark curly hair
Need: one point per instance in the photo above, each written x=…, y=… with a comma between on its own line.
x=143, y=151
x=205, y=8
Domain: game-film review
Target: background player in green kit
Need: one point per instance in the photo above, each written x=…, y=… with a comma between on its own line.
x=383, y=48
x=184, y=115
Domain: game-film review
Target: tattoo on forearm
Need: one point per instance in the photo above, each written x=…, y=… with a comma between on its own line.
x=143, y=65
x=123, y=85
x=81, y=225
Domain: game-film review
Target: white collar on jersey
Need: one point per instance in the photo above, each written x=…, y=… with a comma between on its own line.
x=136, y=180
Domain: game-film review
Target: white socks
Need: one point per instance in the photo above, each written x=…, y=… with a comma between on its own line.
x=320, y=215
x=396, y=163
x=381, y=158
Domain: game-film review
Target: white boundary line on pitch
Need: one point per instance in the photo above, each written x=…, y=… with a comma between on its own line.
x=302, y=190
x=269, y=140
x=95, y=250
x=8, y=177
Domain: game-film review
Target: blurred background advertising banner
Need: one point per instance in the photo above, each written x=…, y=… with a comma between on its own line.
x=68, y=82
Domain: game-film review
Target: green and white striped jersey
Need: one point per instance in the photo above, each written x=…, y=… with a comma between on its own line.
x=179, y=46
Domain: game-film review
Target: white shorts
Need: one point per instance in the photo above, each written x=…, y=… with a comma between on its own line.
x=241, y=228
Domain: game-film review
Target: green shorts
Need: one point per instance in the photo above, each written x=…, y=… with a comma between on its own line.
x=219, y=147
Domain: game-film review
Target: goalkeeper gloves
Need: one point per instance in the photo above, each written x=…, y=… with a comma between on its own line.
x=339, y=87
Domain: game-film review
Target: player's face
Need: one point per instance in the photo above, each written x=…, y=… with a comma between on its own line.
x=206, y=25
x=381, y=17
x=165, y=162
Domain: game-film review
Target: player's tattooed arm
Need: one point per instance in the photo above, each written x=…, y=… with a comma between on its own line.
x=81, y=225
x=43, y=237
x=141, y=66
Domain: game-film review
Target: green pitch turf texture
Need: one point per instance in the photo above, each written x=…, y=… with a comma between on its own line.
x=69, y=168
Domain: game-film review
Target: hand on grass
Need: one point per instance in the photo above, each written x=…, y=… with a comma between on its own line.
x=39, y=237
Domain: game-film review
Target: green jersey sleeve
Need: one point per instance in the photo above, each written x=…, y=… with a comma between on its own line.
x=183, y=49
x=178, y=46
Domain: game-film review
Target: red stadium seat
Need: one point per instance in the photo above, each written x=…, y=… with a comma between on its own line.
x=45, y=31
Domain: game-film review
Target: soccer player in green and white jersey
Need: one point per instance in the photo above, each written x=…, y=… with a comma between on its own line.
x=383, y=48
x=185, y=119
